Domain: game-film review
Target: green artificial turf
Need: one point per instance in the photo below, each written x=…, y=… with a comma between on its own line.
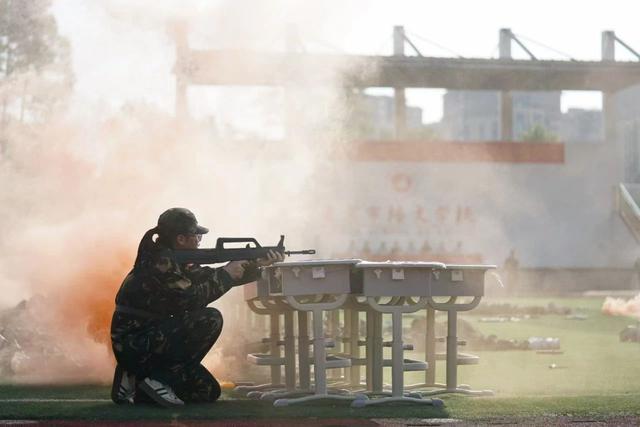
x=598, y=376
x=459, y=407
x=594, y=361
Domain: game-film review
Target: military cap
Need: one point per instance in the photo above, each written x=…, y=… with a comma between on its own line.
x=176, y=221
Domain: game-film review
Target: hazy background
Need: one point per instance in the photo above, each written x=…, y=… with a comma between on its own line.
x=125, y=29
x=84, y=178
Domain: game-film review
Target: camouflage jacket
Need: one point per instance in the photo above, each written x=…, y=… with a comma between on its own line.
x=164, y=288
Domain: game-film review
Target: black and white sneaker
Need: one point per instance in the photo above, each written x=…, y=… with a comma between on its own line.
x=161, y=394
x=123, y=389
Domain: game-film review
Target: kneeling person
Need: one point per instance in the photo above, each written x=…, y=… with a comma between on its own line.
x=162, y=328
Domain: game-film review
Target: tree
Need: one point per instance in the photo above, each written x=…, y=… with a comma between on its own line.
x=28, y=35
x=35, y=73
x=537, y=133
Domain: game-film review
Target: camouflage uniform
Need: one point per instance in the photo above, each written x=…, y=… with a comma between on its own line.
x=168, y=328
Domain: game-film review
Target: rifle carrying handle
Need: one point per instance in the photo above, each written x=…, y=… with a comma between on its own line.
x=222, y=240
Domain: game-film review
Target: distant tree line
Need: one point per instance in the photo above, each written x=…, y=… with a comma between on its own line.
x=35, y=67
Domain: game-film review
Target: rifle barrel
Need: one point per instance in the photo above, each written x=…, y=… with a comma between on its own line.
x=304, y=252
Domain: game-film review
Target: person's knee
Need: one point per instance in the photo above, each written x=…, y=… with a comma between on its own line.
x=212, y=318
x=206, y=323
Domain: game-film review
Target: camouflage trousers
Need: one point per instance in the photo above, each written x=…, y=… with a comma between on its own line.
x=171, y=351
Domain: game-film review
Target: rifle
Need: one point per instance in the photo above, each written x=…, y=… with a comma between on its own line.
x=222, y=254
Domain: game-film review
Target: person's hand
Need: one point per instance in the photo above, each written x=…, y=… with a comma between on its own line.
x=235, y=269
x=272, y=256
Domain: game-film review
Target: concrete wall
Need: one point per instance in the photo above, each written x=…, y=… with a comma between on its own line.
x=555, y=216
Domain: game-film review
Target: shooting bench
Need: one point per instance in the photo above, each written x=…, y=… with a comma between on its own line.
x=315, y=287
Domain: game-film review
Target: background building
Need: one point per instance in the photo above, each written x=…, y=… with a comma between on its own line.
x=475, y=115
x=627, y=105
x=580, y=125
x=373, y=117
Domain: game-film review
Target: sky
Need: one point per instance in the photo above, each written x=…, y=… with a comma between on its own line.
x=122, y=52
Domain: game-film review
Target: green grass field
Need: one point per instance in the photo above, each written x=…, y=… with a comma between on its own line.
x=599, y=378
x=477, y=409
x=594, y=360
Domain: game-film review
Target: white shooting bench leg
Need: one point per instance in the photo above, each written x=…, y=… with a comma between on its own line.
x=270, y=309
x=304, y=366
x=319, y=353
x=375, y=348
x=352, y=310
x=373, y=344
x=304, y=369
x=430, y=354
x=452, y=310
x=374, y=351
x=289, y=359
x=346, y=345
x=289, y=351
x=334, y=329
x=353, y=323
x=397, y=359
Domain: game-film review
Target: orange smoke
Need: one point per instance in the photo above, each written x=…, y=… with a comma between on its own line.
x=72, y=218
x=89, y=299
x=621, y=307
x=82, y=190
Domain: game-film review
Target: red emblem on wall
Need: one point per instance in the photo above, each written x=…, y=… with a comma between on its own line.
x=401, y=182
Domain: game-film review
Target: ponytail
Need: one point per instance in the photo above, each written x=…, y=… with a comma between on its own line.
x=147, y=248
